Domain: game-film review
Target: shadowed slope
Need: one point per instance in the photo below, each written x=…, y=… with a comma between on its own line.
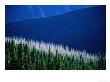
x=80, y=29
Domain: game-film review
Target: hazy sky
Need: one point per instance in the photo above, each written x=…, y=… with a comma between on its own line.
x=21, y=12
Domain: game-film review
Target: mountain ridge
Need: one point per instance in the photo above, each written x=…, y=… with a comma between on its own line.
x=83, y=29
x=50, y=16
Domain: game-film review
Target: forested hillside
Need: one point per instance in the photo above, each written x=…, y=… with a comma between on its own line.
x=30, y=55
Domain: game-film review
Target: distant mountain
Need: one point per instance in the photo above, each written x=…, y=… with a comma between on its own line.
x=83, y=29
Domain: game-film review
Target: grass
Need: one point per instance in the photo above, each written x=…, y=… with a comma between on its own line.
x=32, y=55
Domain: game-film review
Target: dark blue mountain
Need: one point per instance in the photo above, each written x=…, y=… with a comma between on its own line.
x=83, y=29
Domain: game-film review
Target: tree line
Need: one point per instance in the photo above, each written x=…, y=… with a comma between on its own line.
x=23, y=57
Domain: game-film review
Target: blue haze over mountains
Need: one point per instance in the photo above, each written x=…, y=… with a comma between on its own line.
x=24, y=12
x=81, y=29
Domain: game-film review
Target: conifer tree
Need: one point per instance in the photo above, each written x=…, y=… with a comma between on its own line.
x=20, y=54
x=27, y=57
x=7, y=55
x=33, y=57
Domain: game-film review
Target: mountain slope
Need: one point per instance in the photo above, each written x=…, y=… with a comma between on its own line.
x=80, y=29
x=33, y=55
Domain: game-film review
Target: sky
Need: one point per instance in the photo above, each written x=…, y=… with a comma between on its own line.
x=23, y=12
